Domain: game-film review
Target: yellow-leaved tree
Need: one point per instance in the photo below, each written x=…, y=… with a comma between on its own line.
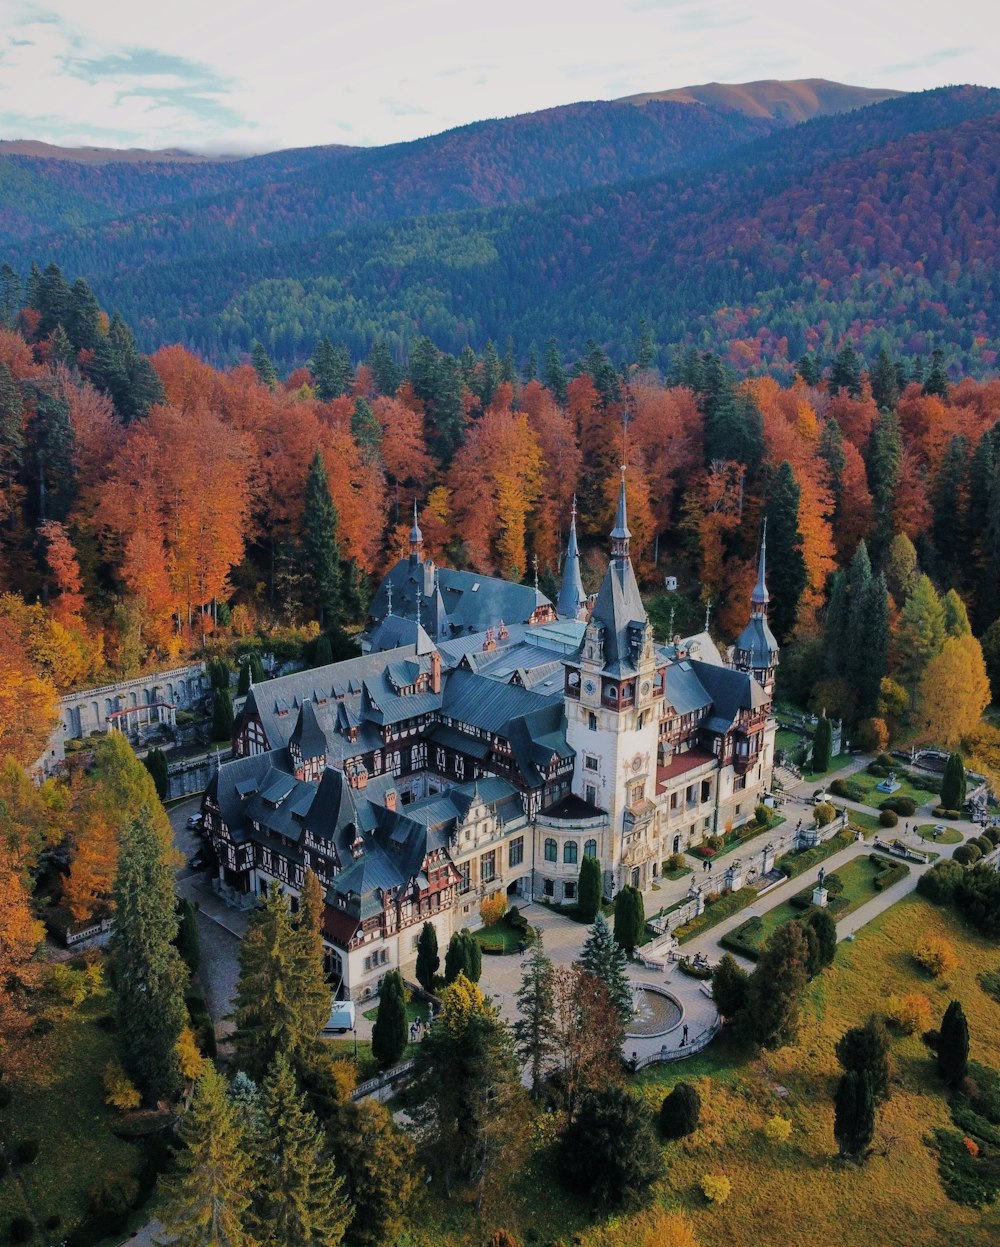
x=954, y=691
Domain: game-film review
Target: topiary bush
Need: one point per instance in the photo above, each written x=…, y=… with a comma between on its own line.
x=903, y=806
x=762, y=815
x=823, y=814
x=833, y=884
x=993, y=835
x=26, y=1151
x=984, y=843
x=967, y=854
x=940, y=812
x=680, y=1112
x=939, y=883
x=888, y=818
x=846, y=788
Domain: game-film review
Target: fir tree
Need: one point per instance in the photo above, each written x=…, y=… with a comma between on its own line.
x=610, y=1150
x=222, y=715
x=437, y=382
x=835, y=628
x=936, y=381
x=489, y=375
x=645, y=355
x=884, y=464
x=146, y=969
x=884, y=383
x=366, y=430
x=386, y=373
x=867, y=1049
x=901, y=570
x=331, y=371
x=680, y=1111
x=630, y=919
x=428, y=960
x=508, y=364
x=533, y=1029
x=729, y=987
x=243, y=683
x=604, y=956
x=10, y=295
x=312, y=993
x=956, y=617
x=320, y=550
x=810, y=368
x=854, y=1113
x=920, y=633
x=822, y=750
x=464, y=956
x=953, y=783
x=846, y=371
x=83, y=320
x=54, y=299
x=589, y=888
x=256, y=668
x=299, y=1195
x=389, y=1031
x=262, y=365
x=772, y=1007
x=953, y=1045
x=11, y=429
x=831, y=449
x=786, y=565
x=380, y=1170
x=821, y=935
x=207, y=1198
x=188, y=941
x=553, y=373
x=531, y=367
x=155, y=763
x=49, y=457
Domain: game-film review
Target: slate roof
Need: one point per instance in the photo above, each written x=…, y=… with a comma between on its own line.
x=308, y=736
x=487, y=704
x=620, y=611
x=731, y=691
x=572, y=599
x=756, y=644
x=683, y=689
x=395, y=631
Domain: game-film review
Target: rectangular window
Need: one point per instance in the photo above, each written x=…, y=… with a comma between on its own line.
x=590, y=762
x=592, y=722
x=591, y=794
x=673, y=800
x=488, y=867
x=739, y=810
x=739, y=783
x=706, y=790
x=515, y=852
x=463, y=883
x=569, y=891
x=548, y=887
x=368, y=964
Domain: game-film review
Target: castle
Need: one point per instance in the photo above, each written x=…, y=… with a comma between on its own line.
x=471, y=755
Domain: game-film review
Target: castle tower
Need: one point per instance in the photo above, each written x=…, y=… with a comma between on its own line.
x=416, y=540
x=614, y=692
x=756, y=649
x=572, y=601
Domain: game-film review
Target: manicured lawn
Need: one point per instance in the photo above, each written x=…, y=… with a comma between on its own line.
x=716, y=912
x=414, y=1009
x=58, y=1100
x=870, y=783
x=502, y=935
x=949, y=836
x=679, y=873
x=804, y=859
x=740, y=836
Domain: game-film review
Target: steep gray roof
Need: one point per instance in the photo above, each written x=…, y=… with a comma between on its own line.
x=487, y=704
x=756, y=645
x=731, y=691
x=683, y=690
x=572, y=598
x=619, y=610
x=308, y=736
x=395, y=631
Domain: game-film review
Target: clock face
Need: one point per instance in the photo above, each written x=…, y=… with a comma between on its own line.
x=589, y=687
x=637, y=763
x=645, y=688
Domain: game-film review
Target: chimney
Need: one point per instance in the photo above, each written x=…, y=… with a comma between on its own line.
x=435, y=671
x=390, y=800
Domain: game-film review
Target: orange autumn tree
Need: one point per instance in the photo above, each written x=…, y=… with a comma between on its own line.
x=555, y=431
x=60, y=555
x=496, y=478
x=20, y=935
x=28, y=704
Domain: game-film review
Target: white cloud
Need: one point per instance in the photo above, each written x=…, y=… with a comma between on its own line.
x=245, y=73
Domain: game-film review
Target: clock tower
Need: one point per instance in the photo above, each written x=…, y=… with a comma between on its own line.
x=614, y=694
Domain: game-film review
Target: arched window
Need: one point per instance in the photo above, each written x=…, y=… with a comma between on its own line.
x=590, y=849
x=569, y=853
x=551, y=852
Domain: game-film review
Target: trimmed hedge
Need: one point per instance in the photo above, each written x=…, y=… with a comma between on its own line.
x=903, y=806
x=693, y=971
x=847, y=788
x=716, y=911
x=967, y=854
x=985, y=843
x=892, y=874
x=993, y=835
x=888, y=818
x=940, y=812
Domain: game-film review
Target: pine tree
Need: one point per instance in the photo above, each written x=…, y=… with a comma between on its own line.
x=437, y=382
x=901, y=570
x=729, y=987
x=10, y=295
x=953, y=1045
x=366, y=431
x=208, y=1197
x=381, y=1174
x=604, y=956
x=822, y=750
x=386, y=373
x=464, y=956
x=821, y=934
x=312, y=993
x=854, y=1113
x=489, y=375
x=243, y=683
x=589, y=888
x=810, y=368
x=772, y=1008
x=83, y=320
x=508, y=364
x=884, y=464
x=610, y=1150
x=146, y=969
x=949, y=527
x=188, y=941
x=11, y=431
x=531, y=367
x=953, y=783
x=835, y=626
x=872, y=659
x=389, y=1031
x=936, y=381
x=155, y=763
x=532, y=1030
x=885, y=386
x=49, y=462
x=553, y=373
x=956, y=617
x=262, y=365
x=846, y=371
x=299, y=1198
x=680, y=1111
x=867, y=1049
x=222, y=715
x=331, y=375
x=428, y=960
x=786, y=565
x=645, y=355
x=256, y=668
x=320, y=550
x=630, y=919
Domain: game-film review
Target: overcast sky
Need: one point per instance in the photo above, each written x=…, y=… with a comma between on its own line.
x=256, y=75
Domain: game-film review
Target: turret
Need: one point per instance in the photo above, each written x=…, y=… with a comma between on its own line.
x=756, y=649
x=416, y=540
x=572, y=600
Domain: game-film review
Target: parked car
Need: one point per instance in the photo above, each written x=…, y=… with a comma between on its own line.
x=197, y=862
x=342, y=1017
x=194, y=820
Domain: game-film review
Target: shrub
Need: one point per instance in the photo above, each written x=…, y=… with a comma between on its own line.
x=716, y=1187
x=26, y=1151
x=847, y=788
x=833, y=884
x=823, y=814
x=939, y=883
x=967, y=854
x=675, y=862
x=715, y=843
x=68, y=986
x=888, y=818
x=516, y=919
x=939, y=811
x=680, y=1112
x=937, y=956
x=984, y=843
x=492, y=908
x=993, y=835
x=20, y=1230
x=693, y=971
x=890, y=873
x=909, y=1013
x=777, y=1129
x=762, y=814
x=119, y=1090
x=903, y=806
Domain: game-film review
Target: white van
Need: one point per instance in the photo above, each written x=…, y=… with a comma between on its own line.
x=342, y=1017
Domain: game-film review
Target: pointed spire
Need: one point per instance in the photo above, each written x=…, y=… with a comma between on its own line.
x=534, y=563
x=620, y=533
x=572, y=598
x=419, y=597
x=388, y=590
x=760, y=596
x=416, y=537
x=708, y=612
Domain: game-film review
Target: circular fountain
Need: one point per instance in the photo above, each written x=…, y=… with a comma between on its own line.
x=655, y=1012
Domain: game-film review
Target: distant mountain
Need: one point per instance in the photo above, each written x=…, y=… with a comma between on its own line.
x=796, y=100
x=758, y=238
x=109, y=155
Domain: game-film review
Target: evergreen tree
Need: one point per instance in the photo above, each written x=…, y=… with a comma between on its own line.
x=821, y=934
x=936, y=381
x=54, y=299
x=312, y=992
x=604, y=956
x=380, y=1170
x=729, y=987
x=831, y=449
x=83, y=320
x=256, y=668
x=589, y=888
x=949, y=527
x=953, y=1045
x=822, y=750
x=901, y=570
x=331, y=370
x=60, y=348
x=320, y=549
x=49, y=458
x=275, y=1009
x=243, y=684
x=645, y=355
x=146, y=969
x=464, y=956
x=188, y=941
x=953, y=783
x=854, y=1113
x=553, y=373
x=602, y=373
x=437, y=382
x=867, y=1049
x=488, y=375
x=208, y=1196
x=222, y=715
x=531, y=367
x=810, y=368
x=610, y=1150
x=389, y=1031
x=386, y=373
x=533, y=1029
x=366, y=430
x=299, y=1196
x=262, y=365
x=786, y=565
x=10, y=296
x=836, y=626
x=956, y=617
x=508, y=364
x=884, y=464
x=11, y=430
x=984, y=527
x=428, y=960
x=872, y=660
x=846, y=371
x=155, y=763
x=680, y=1112
x=630, y=919
x=884, y=383
x=120, y=371
x=919, y=634
x=772, y=1008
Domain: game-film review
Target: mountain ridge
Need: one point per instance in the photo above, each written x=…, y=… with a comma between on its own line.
x=792, y=99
